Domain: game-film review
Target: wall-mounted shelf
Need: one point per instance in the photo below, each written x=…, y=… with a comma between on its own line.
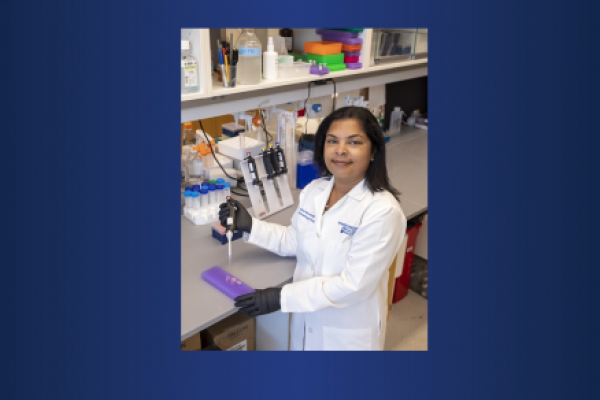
x=210, y=100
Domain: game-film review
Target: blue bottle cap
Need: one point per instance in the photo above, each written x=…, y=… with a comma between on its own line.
x=187, y=193
x=211, y=187
x=220, y=180
x=195, y=194
x=203, y=191
x=219, y=186
x=188, y=188
x=195, y=188
x=227, y=185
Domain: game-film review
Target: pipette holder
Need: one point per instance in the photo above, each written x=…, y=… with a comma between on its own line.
x=273, y=203
x=231, y=148
x=199, y=217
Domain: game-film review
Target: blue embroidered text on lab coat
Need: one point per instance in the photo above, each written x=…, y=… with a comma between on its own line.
x=307, y=215
x=347, y=229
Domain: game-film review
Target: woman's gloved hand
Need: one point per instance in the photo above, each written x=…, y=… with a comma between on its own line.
x=242, y=220
x=263, y=301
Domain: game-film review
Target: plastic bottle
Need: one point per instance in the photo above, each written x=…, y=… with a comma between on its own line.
x=288, y=34
x=212, y=196
x=188, y=199
x=195, y=196
x=396, y=121
x=203, y=198
x=220, y=197
x=189, y=69
x=270, y=63
x=187, y=133
x=227, y=189
x=250, y=57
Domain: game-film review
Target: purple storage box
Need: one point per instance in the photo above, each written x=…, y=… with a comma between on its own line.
x=340, y=34
x=314, y=69
x=353, y=65
x=342, y=39
x=225, y=282
x=351, y=53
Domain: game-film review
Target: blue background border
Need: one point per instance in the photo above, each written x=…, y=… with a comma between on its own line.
x=91, y=228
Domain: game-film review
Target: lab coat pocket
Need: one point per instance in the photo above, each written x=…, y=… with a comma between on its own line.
x=347, y=339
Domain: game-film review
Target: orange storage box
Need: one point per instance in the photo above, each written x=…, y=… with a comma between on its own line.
x=322, y=48
x=351, y=47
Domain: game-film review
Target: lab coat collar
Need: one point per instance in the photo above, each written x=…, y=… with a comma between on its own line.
x=358, y=192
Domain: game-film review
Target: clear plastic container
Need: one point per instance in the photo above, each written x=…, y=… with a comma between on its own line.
x=196, y=200
x=396, y=121
x=190, y=82
x=296, y=69
x=188, y=198
x=203, y=198
x=212, y=195
x=249, y=64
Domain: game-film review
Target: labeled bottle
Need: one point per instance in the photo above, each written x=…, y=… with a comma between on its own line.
x=189, y=69
x=270, y=63
x=250, y=56
x=396, y=120
x=288, y=35
x=187, y=133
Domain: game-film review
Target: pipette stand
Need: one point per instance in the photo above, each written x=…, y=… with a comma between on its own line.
x=273, y=203
x=198, y=217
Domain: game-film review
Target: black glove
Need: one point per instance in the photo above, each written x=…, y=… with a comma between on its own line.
x=242, y=220
x=263, y=301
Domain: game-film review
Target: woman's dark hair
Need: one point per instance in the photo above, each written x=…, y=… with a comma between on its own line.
x=376, y=175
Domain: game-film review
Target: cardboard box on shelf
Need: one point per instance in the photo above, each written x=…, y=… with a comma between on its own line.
x=237, y=333
x=192, y=343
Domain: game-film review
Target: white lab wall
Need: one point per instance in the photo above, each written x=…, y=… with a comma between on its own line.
x=421, y=247
x=273, y=331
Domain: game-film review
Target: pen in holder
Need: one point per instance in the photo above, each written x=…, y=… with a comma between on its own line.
x=228, y=73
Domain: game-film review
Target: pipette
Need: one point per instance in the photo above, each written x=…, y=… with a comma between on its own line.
x=230, y=223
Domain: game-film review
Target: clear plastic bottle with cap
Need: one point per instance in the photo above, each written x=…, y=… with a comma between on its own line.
x=250, y=56
x=220, y=197
x=227, y=189
x=188, y=133
x=196, y=201
x=212, y=195
x=188, y=199
x=204, y=198
x=190, y=82
x=270, y=62
x=396, y=121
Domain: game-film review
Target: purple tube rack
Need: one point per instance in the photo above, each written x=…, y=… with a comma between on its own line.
x=342, y=39
x=354, y=65
x=314, y=69
x=339, y=34
x=231, y=287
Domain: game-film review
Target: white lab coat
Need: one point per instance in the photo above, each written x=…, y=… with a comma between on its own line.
x=338, y=297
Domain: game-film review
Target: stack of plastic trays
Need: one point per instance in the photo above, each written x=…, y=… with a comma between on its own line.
x=351, y=46
x=225, y=282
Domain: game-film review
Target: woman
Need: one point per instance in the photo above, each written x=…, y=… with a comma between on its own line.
x=345, y=233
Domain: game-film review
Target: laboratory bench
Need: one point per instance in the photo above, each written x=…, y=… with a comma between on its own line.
x=202, y=305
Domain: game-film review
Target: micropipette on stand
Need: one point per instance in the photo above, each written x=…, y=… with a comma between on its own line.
x=230, y=223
